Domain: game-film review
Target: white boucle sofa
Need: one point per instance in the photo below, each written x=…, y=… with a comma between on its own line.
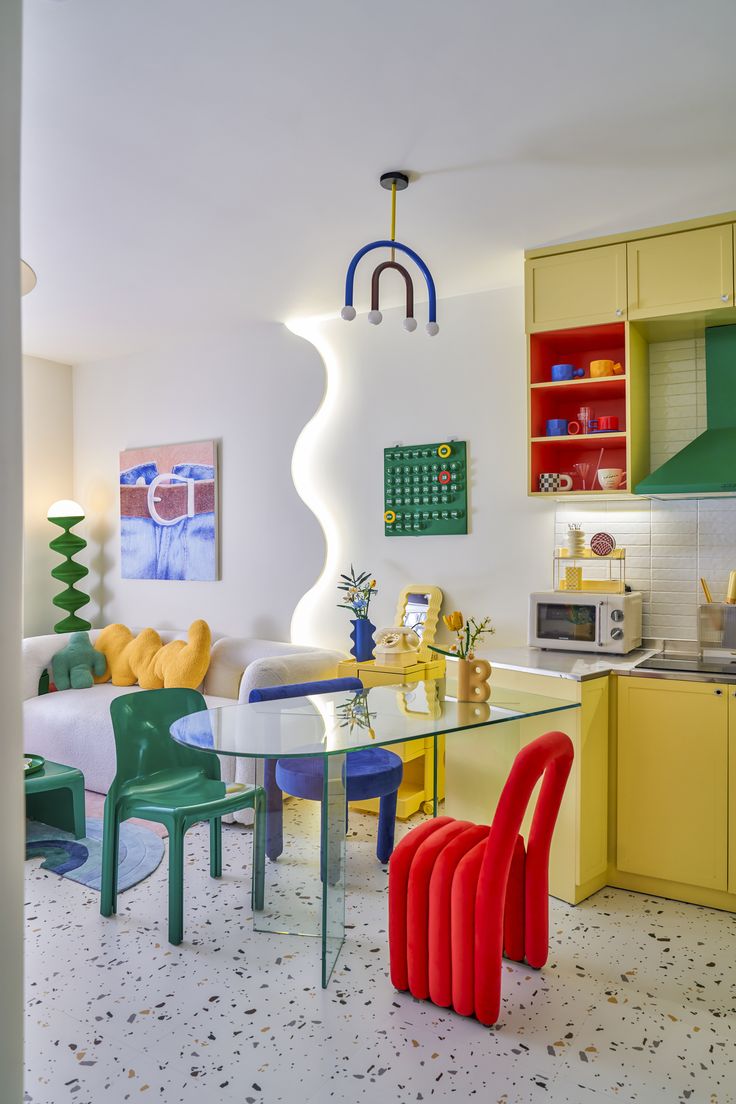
x=74, y=726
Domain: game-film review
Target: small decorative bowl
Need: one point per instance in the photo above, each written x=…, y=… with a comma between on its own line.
x=602, y=544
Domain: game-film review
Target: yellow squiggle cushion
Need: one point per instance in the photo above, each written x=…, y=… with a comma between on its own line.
x=142, y=653
x=113, y=642
x=146, y=660
x=186, y=664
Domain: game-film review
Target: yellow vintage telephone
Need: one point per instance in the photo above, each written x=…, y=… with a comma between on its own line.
x=397, y=646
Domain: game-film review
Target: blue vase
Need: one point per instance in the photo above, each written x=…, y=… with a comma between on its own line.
x=362, y=638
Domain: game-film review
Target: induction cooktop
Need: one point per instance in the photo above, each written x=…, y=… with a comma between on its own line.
x=702, y=665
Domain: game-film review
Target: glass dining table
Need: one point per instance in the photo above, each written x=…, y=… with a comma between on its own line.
x=305, y=888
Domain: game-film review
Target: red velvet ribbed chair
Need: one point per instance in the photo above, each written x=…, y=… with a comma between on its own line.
x=461, y=895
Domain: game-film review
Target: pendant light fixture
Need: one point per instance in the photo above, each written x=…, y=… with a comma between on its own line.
x=393, y=182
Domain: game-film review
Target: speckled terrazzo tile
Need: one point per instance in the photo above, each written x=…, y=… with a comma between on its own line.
x=67, y=1061
x=237, y=1012
x=671, y=951
x=686, y=1055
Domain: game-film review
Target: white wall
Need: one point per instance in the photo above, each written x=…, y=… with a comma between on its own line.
x=11, y=784
x=252, y=389
x=48, y=474
x=389, y=387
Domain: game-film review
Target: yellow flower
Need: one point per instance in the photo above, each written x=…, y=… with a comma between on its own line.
x=373, y=583
x=454, y=620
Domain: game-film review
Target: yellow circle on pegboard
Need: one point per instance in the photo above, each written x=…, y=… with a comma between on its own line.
x=444, y=451
x=389, y=517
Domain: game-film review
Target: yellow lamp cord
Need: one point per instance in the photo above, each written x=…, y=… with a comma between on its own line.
x=393, y=218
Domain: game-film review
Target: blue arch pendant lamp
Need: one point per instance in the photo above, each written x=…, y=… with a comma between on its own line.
x=394, y=182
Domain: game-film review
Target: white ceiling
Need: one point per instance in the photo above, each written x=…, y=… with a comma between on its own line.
x=190, y=164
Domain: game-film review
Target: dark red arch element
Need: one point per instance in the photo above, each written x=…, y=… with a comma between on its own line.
x=407, y=280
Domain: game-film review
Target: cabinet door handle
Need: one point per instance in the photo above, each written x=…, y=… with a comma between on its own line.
x=619, y=311
x=724, y=298
x=718, y=692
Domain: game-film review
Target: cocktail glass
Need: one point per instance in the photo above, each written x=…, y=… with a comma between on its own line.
x=582, y=470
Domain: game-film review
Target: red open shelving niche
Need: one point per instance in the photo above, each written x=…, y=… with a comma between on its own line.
x=577, y=347
x=606, y=396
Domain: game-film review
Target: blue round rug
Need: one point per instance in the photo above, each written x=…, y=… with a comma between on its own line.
x=81, y=860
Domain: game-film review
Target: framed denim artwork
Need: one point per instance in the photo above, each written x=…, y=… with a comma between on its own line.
x=169, y=512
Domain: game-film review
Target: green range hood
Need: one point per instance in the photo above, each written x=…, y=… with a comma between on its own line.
x=708, y=464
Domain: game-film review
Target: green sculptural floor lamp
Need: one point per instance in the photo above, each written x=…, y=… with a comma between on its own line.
x=66, y=514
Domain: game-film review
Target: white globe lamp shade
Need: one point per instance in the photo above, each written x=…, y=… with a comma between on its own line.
x=432, y=329
x=410, y=324
x=65, y=508
x=27, y=278
x=375, y=317
x=348, y=313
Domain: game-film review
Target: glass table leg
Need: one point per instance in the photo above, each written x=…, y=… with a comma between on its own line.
x=292, y=891
x=332, y=849
x=303, y=890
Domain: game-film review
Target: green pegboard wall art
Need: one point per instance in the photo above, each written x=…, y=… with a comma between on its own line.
x=425, y=489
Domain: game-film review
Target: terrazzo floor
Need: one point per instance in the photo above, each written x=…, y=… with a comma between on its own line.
x=637, y=1001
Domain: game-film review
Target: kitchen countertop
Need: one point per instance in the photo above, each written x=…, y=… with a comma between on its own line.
x=577, y=666
x=580, y=666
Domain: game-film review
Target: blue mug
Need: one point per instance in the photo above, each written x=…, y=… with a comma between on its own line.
x=557, y=427
x=562, y=372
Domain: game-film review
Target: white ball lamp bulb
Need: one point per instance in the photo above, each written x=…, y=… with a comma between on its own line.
x=410, y=324
x=375, y=317
x=432, y=329
x=348, y=313
x=65, y=508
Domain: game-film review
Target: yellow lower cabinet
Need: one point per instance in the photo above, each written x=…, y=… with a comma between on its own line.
x=672, y=786
x=732, y=790
x=478, y=763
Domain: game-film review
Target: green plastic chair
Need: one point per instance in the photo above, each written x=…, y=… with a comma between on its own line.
x=159, y=779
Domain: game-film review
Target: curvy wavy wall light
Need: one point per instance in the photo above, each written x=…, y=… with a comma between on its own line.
x=393, y=181
x=308, y=614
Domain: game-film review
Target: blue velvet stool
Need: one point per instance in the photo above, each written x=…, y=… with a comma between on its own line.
x=372, y=773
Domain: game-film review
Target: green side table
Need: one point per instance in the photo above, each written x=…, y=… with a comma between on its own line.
x=55, y=795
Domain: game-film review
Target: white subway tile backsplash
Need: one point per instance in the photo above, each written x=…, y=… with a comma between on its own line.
x=669, y=544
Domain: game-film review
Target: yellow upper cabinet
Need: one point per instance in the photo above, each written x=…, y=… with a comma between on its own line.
x=586, y=287
x=679, y=273
x=673, y=780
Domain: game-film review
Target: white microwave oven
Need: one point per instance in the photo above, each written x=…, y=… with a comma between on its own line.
x=585, y=621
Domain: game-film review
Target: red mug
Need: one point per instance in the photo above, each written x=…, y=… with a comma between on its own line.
x=608, y=423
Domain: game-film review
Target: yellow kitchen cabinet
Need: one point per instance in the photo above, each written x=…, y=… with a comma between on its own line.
x=672, y=782
x=584, y=288
x=732, y=790
x=477, y=764
x=681, y=273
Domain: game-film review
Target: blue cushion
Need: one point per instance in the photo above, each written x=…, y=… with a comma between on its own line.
x=374, y=772
x=302, y=689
